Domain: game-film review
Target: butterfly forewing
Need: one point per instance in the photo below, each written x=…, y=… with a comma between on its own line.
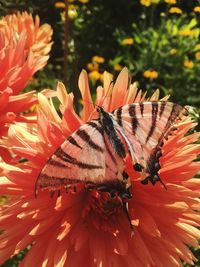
x=145, y=125
x=86, y=156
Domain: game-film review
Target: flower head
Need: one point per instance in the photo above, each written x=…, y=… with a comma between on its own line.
x=188, y=64
x=187, y=32
x=197, y=9
x=127, y=41
x=59, y=5
x=95, y=75
x=171, y=2
x=92, y=66
x=197, y=55
x=84, y=1
x=173, y=51
x=197, y=47
x=117, y=67
x=150, y=74
x=98, y=59
x=37, y=38
x=23, y=51
x=146, y=3
x=175, y=10
x=91, y=227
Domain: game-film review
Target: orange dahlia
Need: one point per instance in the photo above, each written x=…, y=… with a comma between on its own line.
x=24, y=47
x=86, y=228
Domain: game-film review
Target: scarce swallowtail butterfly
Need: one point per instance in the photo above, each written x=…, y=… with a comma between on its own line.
x=95, y=153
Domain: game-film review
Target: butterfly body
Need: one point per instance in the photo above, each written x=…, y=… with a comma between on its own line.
x=109, y=128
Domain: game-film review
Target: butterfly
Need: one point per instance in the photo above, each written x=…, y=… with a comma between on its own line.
x=95, y=153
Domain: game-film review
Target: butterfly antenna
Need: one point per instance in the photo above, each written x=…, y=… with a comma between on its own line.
x=125, y=206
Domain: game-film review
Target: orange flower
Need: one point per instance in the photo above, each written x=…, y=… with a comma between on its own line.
x=146, y=2
x=187, y=32
x=175, y=10
x=23, y=51
x=127, y=41
x=98, y=59
x=197, y=9
x=76, y=228
x=197, y=55
x=117, y=67
x=150, y=74
x=188, y=64
x=171, y=2
x=38, y=38
x=59, y=5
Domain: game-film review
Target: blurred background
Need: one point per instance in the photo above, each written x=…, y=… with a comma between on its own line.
x=158, y=40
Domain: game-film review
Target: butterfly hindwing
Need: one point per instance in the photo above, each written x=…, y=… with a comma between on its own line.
x=145, y=126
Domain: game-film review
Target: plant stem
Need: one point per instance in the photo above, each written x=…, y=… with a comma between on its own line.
x=66, y=40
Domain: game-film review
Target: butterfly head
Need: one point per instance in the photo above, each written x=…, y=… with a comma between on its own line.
x=100, y=109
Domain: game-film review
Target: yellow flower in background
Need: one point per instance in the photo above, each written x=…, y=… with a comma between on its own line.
x=145, y=2
x=197, y=56
x=170, y=2
x=187, y=32
x=98, y=59
x=188, y=64
x=197, y=9
x=197, y=47
x=83, y=1
x=175, y=10
x=109, y=75
x=92, y=66
x=173, y=51
x=127, y=41
x=150, y=74
x=117, y=67
x=59, y=5
x=72, y=13
x=94, y=75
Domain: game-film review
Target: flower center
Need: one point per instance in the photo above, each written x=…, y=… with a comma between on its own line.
x=105, y=204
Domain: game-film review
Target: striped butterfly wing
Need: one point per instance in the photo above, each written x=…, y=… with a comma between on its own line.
x=85, y=156
x=144, y=126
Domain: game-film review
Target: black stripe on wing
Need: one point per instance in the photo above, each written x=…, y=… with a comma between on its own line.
x=109, y=152
x=154, y=112
x=173, y=116
x=73, y=142
x=69, y=159
x=162, y=108
x=119, y=116
x=134, y=120
x=85, y=137
x=52, y=181
x=141, y=108
x=96, y=125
